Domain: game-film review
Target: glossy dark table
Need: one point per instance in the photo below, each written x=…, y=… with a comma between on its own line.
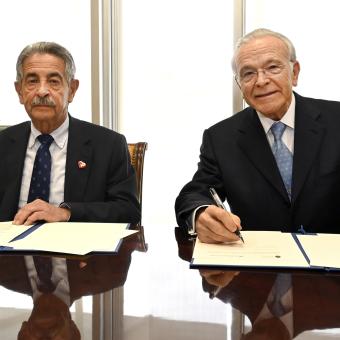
x=147, y=291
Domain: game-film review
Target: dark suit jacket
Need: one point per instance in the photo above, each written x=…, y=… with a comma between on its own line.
x=103, y=191
x=237, y=160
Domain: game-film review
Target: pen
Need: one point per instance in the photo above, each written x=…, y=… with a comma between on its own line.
x=220, y=204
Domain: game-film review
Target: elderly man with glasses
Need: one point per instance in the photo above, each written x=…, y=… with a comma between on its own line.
x=276, y=163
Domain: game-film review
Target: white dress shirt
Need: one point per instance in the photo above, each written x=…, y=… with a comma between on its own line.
x=58, y=151
x=288, y=119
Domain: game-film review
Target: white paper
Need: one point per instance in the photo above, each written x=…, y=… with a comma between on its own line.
x=74, y=237
x=323, y=250
x=260, y=249
x=9, y=231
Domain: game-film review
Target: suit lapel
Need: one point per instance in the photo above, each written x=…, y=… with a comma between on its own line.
x=253, y=142
x=308, y=136
x=78, y=162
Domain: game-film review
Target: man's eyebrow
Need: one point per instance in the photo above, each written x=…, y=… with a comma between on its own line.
x=54, y=74
x=269, y=61
x=49, y=75
x=31, y=74
x=273, y=60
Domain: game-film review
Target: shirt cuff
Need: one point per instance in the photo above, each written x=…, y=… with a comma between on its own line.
x=192, y=220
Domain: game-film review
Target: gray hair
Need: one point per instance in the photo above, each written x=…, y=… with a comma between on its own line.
x=259, y=33
x=44, y=47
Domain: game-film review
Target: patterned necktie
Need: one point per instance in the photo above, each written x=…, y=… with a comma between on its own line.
x=41, y=174
x=283, y=156
x=281, y=286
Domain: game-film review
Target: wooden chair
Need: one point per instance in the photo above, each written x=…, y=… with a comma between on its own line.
x=137, y=153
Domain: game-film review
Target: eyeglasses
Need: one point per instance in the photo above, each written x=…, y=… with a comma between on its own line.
x=249, y=75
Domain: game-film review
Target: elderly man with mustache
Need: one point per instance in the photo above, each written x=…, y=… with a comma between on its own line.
x=56, y=167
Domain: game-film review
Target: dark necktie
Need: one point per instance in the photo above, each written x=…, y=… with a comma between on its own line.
x=41, y=174
x=40, y=188
x=283, y=156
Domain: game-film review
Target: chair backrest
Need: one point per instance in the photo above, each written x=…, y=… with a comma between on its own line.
x=137, y=153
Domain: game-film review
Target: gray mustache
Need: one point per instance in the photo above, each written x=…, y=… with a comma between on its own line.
x=46, y=101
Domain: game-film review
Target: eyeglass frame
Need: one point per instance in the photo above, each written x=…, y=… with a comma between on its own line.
x=266, y=72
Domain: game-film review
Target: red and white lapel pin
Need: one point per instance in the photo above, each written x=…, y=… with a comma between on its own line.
x=81, y=165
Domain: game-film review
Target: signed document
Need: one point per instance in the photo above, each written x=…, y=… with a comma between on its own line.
x=269, y=249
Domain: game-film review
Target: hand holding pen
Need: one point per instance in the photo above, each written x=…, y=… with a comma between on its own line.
x=220, y=204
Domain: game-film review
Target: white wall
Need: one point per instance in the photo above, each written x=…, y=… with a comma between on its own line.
x=175, y=81
x=23, y=22
x=312, y=27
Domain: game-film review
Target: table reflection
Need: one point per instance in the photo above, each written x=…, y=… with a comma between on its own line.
x=310, y=300
x=73, y=278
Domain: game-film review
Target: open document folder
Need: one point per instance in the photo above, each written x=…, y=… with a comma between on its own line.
x=271, y=249
x=67, y=237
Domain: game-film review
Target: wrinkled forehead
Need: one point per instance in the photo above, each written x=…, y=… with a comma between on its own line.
x=258, y=51
x=38, y=61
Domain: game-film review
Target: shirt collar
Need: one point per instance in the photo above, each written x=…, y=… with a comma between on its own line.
x=288, y=118
x=59, y=135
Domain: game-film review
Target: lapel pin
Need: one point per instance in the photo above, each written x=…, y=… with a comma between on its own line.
x=81, y=165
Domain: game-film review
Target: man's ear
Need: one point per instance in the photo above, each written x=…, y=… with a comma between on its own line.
x=296, y=71
x=74, y=84
x=18, y=88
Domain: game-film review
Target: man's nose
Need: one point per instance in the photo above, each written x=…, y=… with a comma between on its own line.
x=261, y=78
x=43, y=90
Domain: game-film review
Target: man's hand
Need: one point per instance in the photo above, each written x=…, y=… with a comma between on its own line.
x=41, y=210
x=215, y=225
